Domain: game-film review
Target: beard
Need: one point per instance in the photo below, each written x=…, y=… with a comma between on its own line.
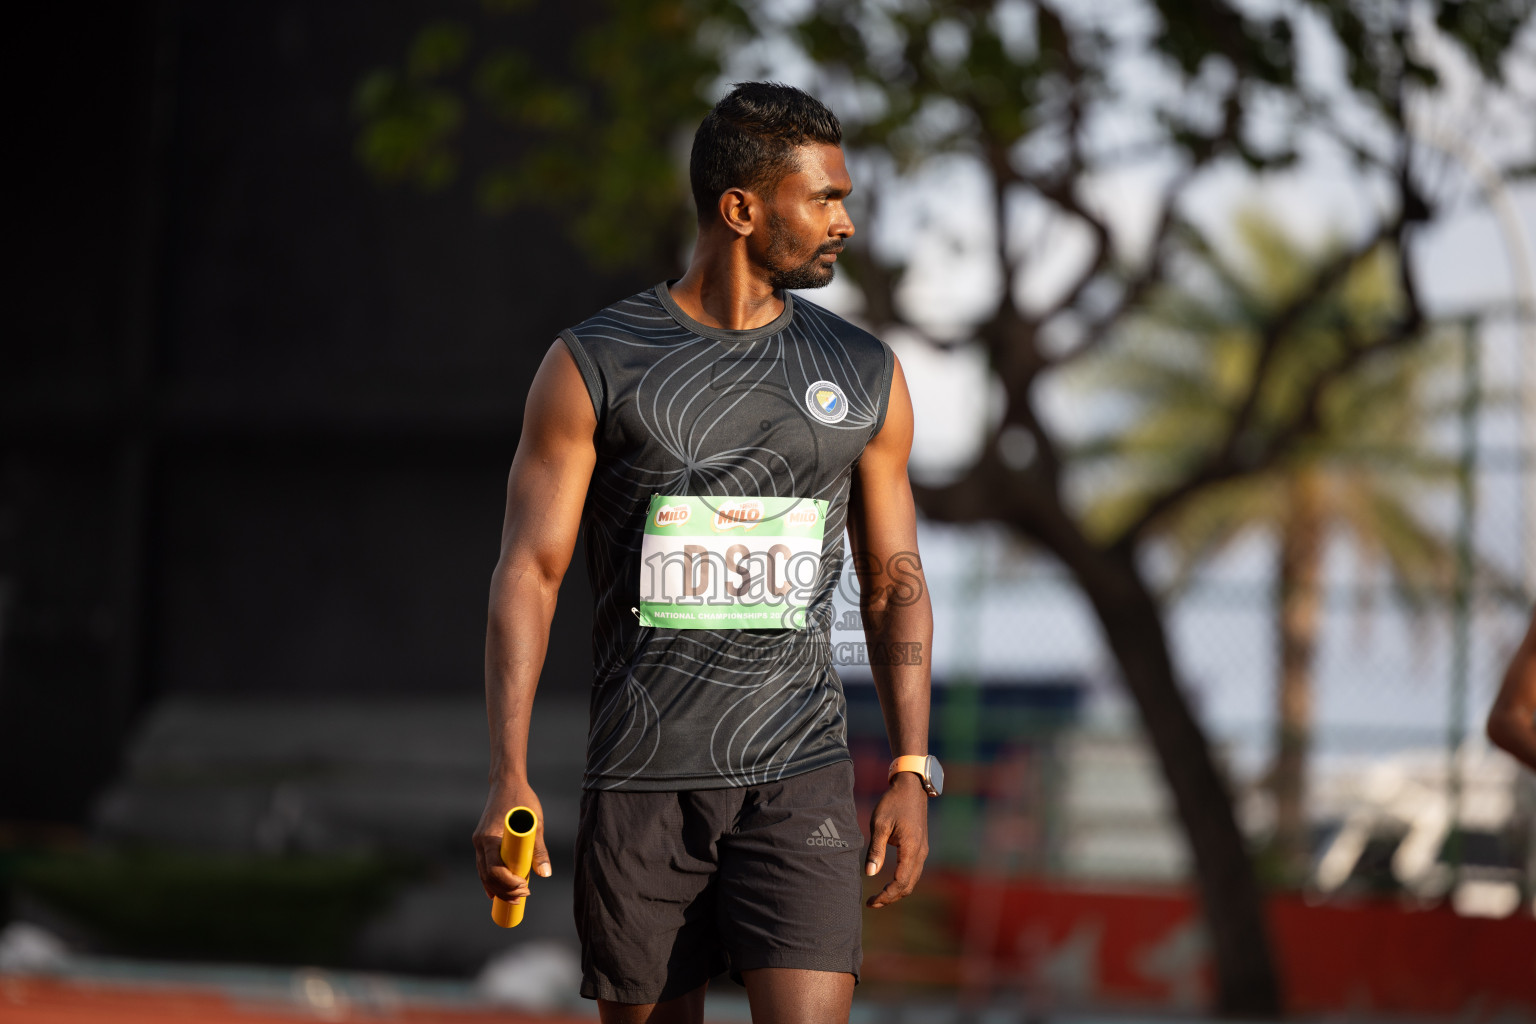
x=785, y=267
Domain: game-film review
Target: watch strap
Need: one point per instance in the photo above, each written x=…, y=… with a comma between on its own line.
x=917, y=763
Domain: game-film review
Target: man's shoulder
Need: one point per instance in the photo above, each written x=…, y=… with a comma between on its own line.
x=845, y=330
x=635, y=314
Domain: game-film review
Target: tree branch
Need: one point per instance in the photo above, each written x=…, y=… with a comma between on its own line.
x=1062, y=189
x=1064, y=196
x=1012, y=339
x=1232, y=458
x=1097, y=330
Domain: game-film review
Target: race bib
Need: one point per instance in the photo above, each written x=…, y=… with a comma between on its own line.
x=729, y=563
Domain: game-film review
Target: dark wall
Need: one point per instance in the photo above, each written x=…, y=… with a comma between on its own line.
x=257, y=432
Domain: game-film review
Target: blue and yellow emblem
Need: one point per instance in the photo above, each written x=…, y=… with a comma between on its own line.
x=826, y=401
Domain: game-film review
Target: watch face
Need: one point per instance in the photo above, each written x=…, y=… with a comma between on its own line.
x=935, y=776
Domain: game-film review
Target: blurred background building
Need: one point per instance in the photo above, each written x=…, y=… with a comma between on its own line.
x=257, y=418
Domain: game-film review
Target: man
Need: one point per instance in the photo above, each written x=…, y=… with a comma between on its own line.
x=712, y=438
x=1512, y=720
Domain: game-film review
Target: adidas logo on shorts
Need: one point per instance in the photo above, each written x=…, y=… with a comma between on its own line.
x=826, y=835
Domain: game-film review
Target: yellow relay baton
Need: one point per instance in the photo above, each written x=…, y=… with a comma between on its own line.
x=517, y=854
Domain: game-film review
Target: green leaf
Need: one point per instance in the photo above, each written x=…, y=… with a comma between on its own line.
x=437, y=50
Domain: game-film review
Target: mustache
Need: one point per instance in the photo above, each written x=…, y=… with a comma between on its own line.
x=831, y=247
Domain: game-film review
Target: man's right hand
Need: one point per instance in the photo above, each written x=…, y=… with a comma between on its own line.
x=497, y=879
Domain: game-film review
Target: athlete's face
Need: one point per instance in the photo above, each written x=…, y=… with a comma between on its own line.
x=807, y=221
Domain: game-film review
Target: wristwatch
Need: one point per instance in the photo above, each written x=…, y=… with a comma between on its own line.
x=924, y=766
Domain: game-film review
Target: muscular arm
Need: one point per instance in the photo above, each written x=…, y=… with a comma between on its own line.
x=545, y=493
x=898, y=625
x=1512, y=720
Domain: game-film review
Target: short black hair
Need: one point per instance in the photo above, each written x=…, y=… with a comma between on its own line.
x=749, y=138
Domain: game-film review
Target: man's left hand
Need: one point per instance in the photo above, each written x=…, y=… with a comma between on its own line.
x=900, y=820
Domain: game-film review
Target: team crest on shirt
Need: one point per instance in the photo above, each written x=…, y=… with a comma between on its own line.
x=826, y=402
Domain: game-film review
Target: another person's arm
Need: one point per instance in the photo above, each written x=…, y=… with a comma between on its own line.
x=545, y=493
x=898, y=625
x=1512, y=721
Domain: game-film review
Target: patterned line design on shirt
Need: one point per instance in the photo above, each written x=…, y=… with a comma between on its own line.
x=686, y=409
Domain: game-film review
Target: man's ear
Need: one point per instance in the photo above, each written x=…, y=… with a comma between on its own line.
x=740, y=210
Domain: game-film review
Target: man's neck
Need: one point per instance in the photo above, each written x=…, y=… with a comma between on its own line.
x=721, y=290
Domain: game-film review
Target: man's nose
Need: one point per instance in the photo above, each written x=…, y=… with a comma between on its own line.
x=842, y=225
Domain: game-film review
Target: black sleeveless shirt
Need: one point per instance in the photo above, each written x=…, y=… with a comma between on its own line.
x=783, y=410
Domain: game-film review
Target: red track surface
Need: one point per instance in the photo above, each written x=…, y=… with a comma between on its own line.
x=47, y=1001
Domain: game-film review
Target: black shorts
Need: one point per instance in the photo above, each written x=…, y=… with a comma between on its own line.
x=673, y=888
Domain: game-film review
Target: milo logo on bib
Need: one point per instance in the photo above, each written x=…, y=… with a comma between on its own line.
x=671, y=515
x=729, y=562
x=742, y=515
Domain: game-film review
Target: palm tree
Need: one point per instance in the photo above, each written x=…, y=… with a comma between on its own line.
x=1185, y=364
